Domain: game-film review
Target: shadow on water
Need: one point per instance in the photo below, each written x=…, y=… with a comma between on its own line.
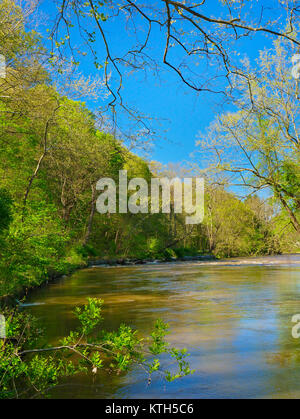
x=233, y=316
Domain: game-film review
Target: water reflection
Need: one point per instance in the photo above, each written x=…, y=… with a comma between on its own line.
x=234, y=317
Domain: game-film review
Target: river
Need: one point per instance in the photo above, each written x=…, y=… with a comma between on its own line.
x=233, y=316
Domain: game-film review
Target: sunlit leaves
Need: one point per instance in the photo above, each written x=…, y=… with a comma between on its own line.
x=25, y=371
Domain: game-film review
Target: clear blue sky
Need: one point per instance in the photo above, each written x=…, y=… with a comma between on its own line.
x=181, y=112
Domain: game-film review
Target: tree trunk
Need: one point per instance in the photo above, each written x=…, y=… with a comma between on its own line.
x=292, y=216
x=91, y=216
x=45, y=137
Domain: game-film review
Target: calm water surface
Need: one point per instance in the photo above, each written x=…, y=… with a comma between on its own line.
x=234, y=317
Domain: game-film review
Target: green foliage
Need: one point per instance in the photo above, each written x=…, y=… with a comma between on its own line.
x=158, y=344
x=185, y=251
x=27, y=369
x=85, y=250
x=237, y=228
x=257, y=146
x=5, y=209
x=89, y=315
x=32, y=249
x=290, y=178
x=184, y=367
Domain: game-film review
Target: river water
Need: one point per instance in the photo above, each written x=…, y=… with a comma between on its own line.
x=233, y=316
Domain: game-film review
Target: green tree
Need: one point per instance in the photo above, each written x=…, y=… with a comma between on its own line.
x=258, y=145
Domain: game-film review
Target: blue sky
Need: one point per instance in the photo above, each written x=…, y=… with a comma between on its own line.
x=181, y=112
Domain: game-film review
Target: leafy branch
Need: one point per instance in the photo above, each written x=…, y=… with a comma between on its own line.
x=87, y=349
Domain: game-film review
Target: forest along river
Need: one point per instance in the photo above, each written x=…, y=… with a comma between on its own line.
x=234, y=317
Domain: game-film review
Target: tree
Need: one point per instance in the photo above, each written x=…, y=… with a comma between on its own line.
x=236, y=228
x=5, y=210
x=258, y=147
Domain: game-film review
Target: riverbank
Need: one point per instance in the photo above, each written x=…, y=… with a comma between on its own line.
x=21, y=293
x=134, y=261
